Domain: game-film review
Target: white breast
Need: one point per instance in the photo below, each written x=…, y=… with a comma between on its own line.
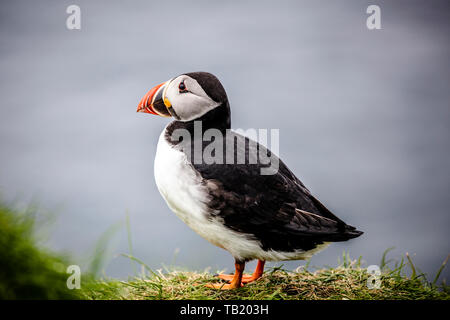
x=182, y=189
x=179, y=184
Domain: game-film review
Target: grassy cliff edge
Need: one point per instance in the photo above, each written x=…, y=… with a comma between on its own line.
x=347, y=282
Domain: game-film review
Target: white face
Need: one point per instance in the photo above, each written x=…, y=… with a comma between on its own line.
x=189, y=101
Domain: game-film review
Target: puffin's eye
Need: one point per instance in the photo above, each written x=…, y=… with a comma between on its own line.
x=182, y=87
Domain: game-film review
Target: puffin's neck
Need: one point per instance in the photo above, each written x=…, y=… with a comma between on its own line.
x=218, y=118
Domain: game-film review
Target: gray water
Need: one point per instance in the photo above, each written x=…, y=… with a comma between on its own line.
x=363, y=116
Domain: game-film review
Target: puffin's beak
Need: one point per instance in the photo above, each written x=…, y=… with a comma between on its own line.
x=153, y=101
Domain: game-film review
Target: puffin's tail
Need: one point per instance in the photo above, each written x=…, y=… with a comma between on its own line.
x=343, y=233
x=350, y=232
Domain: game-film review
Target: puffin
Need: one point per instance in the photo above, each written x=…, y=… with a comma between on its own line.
x=219, y=182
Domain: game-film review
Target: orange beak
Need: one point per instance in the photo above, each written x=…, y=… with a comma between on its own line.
x=153, y=102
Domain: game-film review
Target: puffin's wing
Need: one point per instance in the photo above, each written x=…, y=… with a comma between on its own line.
x=246, y=183
x=277, y=209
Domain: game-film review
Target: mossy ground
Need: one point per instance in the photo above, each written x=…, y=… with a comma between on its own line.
x=341, y=283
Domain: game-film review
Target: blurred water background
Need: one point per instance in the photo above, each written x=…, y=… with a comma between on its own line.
x=363, y=116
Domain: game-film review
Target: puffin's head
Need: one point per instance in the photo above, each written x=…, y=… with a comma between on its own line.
x=186, y=97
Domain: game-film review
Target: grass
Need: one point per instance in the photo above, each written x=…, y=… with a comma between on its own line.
x=348, y=281
x=28, y=271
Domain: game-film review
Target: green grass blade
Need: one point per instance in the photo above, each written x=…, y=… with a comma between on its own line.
x=98, y=259
x=411, y=264
x=440, y=270
x=383, y=262
x=130, y=245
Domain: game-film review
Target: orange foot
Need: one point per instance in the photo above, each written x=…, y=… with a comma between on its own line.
x=235, y=282
x=245, y=278
x=237, y=279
